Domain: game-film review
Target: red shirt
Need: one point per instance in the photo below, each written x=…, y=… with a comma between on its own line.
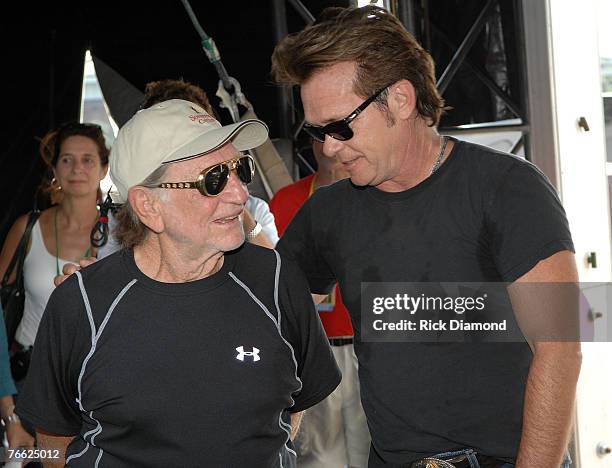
x=284, y=205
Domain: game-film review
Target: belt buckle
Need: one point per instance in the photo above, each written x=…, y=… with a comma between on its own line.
x=432, y=463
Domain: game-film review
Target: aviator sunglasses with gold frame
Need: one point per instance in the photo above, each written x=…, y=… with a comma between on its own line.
x=213, y=179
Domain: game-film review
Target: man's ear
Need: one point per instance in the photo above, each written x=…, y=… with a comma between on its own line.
x=147, y=207
x=402, y=99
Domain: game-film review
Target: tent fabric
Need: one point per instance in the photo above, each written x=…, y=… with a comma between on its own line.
x=43, y=51
x=122, y=97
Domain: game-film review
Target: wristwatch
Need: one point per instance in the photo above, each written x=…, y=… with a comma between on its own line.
x=253, y=233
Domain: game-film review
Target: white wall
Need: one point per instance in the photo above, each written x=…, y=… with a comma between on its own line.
x=576, y=90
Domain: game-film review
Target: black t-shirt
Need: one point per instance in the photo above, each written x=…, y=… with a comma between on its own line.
x=484, y=216
x=204, y=373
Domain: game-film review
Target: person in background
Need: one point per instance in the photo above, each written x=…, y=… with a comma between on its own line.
x=16, y=435
x=77, y=156
x=333, y=433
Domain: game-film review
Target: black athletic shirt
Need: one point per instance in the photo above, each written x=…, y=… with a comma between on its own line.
x=484, y=216
x=204, y=373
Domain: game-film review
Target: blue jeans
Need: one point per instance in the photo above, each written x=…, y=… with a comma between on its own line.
x=471, y=457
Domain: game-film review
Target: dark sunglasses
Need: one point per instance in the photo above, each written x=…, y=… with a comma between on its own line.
x=213, y=180
x=340, y=129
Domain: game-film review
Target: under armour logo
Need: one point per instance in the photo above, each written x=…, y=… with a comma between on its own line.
x=242, y=353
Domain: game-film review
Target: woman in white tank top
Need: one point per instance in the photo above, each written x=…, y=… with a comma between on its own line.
x=78, y=156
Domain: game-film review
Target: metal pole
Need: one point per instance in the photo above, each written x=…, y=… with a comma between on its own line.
x=306, y=15
x=518, y=145
x=209, y=47
x=465, y=47
x=285, y=116
x=483, y=76
x=522, y=62
x=489, y=127
x=406, y=14
x=426, y=24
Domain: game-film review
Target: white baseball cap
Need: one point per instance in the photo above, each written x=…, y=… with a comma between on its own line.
x=173, y=131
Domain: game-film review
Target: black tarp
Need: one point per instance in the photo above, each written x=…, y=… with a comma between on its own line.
x=43, y=47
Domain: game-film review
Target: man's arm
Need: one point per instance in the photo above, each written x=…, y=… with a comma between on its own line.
x=551, y=383
x=248, y=223
x=15, y=433
x=53, y=442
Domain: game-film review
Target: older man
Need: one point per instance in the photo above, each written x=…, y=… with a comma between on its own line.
x=187, y=348
x=423, y=208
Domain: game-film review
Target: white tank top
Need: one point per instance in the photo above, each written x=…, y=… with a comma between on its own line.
x=39, y=269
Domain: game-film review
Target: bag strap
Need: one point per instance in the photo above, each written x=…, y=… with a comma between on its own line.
x=20, y=252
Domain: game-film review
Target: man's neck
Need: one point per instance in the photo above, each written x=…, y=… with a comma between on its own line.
x=324, y=177
x=169, y=263
x=421, y=152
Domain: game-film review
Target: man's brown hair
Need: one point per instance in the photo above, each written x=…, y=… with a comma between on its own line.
x=372, y=38
x=163, y=90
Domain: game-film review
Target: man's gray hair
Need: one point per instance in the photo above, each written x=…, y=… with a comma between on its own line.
x=130, y=231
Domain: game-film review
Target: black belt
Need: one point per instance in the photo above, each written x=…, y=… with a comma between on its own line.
x=340, y=341
x=458, y=462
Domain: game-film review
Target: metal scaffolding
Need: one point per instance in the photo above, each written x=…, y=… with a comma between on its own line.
x=510, y=98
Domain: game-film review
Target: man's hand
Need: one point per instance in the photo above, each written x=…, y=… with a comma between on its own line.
x=248, y=223
x=70, y=268
x=55, y=443
x=18, y=437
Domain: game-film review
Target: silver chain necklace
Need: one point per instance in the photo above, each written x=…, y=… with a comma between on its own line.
x=436, y=166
